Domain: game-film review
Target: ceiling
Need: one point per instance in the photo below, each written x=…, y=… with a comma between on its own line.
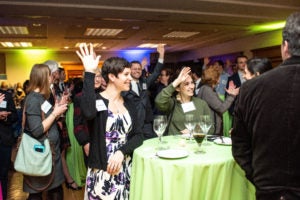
x=55, y=24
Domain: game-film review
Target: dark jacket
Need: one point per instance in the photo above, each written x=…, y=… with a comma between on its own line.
x=142, y=101
x=98, y=155
x=6, y=131
x=266, y=132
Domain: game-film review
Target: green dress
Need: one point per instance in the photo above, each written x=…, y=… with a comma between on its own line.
x=74, y=154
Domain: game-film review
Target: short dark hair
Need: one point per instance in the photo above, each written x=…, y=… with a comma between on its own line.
x=291, y=34
x=114, y=65
x=260, y=65
x=240, y=56
x=135, y=62
x=220, y=62
x=197, y=69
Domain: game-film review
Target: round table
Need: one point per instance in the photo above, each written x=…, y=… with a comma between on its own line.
x=213, y=175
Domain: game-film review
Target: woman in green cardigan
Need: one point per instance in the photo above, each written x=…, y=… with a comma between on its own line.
x=177, y=100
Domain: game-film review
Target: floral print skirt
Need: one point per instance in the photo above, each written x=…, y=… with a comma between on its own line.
x=100, y=184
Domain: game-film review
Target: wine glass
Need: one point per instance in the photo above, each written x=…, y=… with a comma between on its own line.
x=190, y=124
x=199, y=137
x=159, y=126
x=205, y=124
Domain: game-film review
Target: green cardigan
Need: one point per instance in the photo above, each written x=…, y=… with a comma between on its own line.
x=164, y=102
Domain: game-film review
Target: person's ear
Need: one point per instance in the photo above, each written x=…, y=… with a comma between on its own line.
x=111, y=77
x=257, y=74
x=285, y=50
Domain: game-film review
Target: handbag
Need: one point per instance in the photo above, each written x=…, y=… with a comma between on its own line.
x=34, y=158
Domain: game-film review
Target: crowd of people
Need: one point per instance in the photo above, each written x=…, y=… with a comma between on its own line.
x=96, y=122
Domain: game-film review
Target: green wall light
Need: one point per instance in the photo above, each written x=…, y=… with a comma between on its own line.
x=267, y=27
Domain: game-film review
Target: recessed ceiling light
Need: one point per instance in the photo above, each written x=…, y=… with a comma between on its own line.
x=14, y=30
x=95, y=45
x=16, y=44
x=180, y=34
x=148, y=45
x=102, y=32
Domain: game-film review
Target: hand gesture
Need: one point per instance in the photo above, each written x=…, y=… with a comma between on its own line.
x=184, y=73
x=161, y=50
x=88, y=57
x=59, y=108
x=232, y=90
x=206, y=61
x=115, y=163
x=144, y=63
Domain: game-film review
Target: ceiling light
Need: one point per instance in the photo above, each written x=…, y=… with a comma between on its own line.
x=102, y=32
x=14, y=30
x=16, y=44
x=148, y=45
x=180, y=34
x=95, y=45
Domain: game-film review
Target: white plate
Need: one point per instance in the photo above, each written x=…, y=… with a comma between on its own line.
x=172, y=153
x=226, y=141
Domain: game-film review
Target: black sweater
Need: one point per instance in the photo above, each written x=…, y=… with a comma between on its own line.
x=98, y=155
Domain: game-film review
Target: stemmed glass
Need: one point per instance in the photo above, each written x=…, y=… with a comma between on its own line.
x=190, y=124
x=205, y=124
x=199, y=137
x=159, y=127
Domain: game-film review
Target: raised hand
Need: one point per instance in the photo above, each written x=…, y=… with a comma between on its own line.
x=232, y=89
x=88, y=57
x=161, y=50
x=184, y=73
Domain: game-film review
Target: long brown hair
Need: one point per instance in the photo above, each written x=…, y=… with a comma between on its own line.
x=39, y=78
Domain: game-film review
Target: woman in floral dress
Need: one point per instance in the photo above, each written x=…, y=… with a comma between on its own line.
x=115, y=131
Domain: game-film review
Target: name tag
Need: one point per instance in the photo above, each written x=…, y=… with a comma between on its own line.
x=100, y=105
x=3, y=104
x=144, y=86
x=187, y=107
x=46, y=106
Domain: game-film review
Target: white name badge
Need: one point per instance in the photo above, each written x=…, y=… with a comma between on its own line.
x=46, y=106
x=3, y=104
x=144, y=86
x=187, y=107
x=100, y=105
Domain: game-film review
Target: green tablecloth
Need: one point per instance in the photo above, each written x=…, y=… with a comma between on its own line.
x=210, y=176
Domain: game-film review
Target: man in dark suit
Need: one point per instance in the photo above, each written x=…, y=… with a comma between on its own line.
x=266, y=131
x=139, y=91
x=237, y=78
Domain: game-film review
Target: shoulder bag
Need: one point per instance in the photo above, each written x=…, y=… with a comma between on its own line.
x=34, y=158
